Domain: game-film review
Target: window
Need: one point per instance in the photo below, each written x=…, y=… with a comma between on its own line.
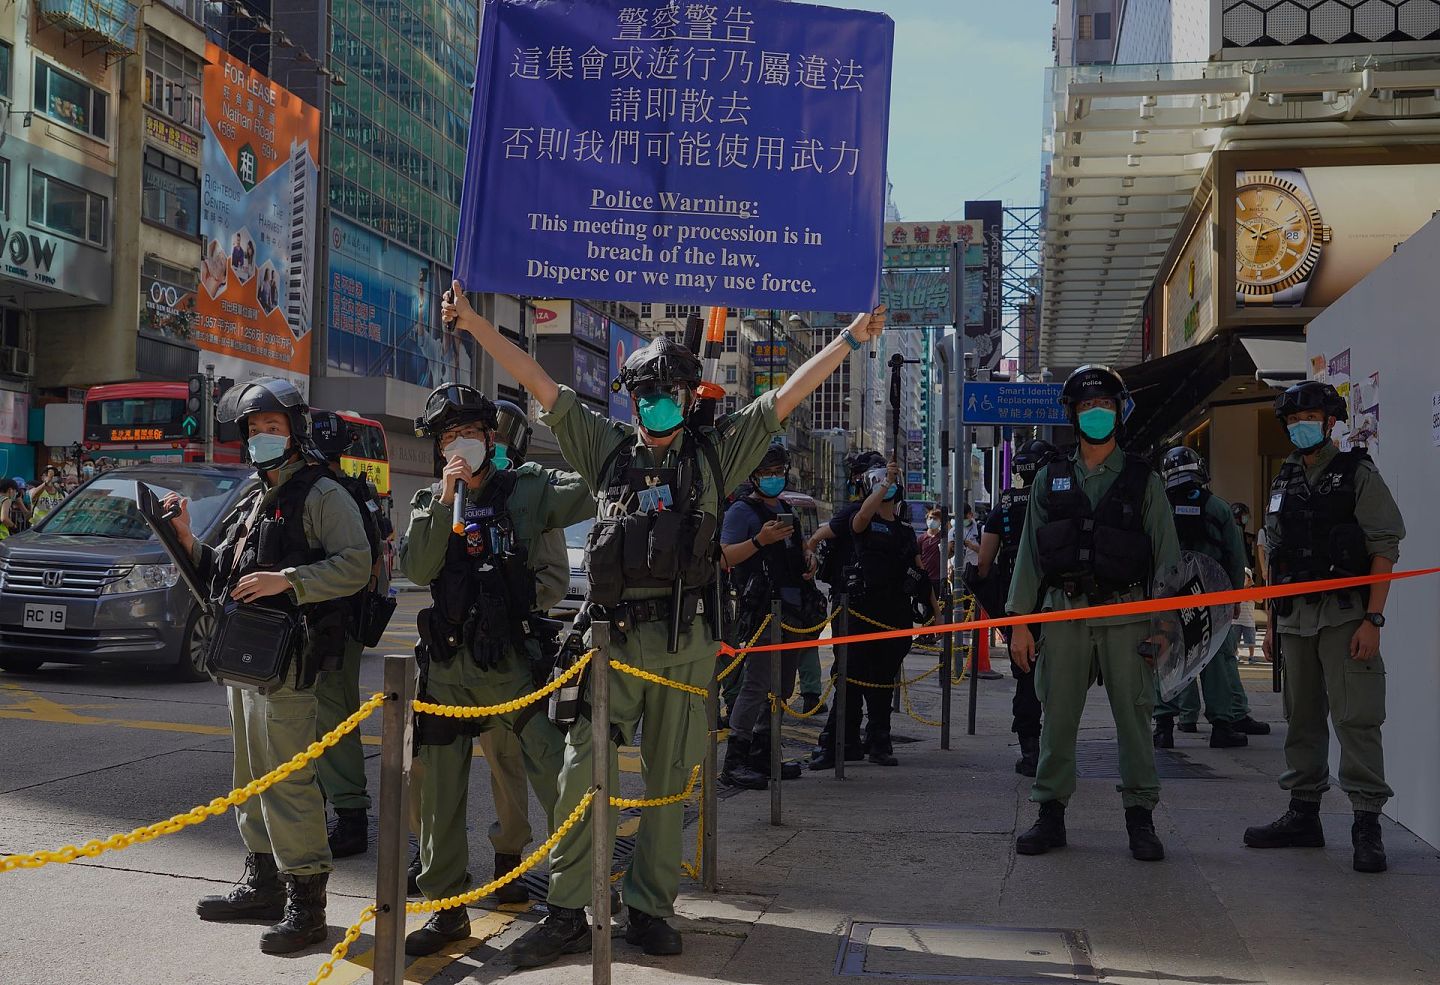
x=682, y=310
x=5, y=57
x=732, y=374
x=1102, y=27
x=645, y=311
x=65, y=209
x=4, y=187
x=1085, y=31
x=193, y=9
x=171, y=194
x=172, y=81
x=69, y=100
x=732, y=340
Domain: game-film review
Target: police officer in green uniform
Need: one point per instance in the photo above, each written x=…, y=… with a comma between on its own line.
x=1330, y=515
x=652, y=557
x=1206, y=525
x=298, y=546
x=479, y=641
x=341, y=770
x=1097, y=529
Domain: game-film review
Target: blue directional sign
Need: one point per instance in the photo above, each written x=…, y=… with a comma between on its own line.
x=1019, y=404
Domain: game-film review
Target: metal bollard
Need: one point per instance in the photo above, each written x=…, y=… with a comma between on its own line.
x=776, y=636
x=947, y=660
x=709, y=795
x=974, y=678
x=396, y=744
x=842, y=670
x=600, y=806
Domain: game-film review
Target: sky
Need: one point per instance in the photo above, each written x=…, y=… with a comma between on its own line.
x=965, y=101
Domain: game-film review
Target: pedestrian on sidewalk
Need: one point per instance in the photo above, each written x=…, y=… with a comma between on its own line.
x=1244, y=628
x=886, y=577
x=1206, y=525
x=1330, y=515
x=662, y=481
x=999, y=547
x=932, y=550
x=1098, y=525
x=761, y=543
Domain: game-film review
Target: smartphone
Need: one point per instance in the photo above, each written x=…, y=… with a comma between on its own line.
x=785, y=519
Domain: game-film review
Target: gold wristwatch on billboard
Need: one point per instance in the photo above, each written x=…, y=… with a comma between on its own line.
x=1278, y=238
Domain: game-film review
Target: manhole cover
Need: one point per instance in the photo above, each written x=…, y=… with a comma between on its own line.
x=1102, y=759
x=966, y=953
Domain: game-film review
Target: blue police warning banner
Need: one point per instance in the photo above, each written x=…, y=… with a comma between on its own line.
x=678, y=151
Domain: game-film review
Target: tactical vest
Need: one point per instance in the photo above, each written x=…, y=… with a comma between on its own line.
x=652, y=530
x=375, y=522
x=1013, y=505
x=1101, y=551
x=778, y=565
x=1319, y=535
x=1197, y=529
x=485, y=589
x=278, y=542
x=883, y=559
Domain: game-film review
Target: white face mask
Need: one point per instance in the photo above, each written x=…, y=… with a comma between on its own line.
x=475, y=452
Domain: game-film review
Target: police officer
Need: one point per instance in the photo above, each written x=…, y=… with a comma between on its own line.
x=1206, y=525
x=999, y=546
x=298, y=545
x=1330, y=515
x=1097, y=528
x=767, y=557
x=1241, y=514
x=478, y=638
x=662, y=482
x=885, y=577
x=341, y=770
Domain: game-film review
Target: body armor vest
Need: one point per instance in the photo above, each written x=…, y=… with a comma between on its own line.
x=885, y=558
x=1197, y=529
x=1013, y=505
x=778, y=565
x=1100, y=551
x=1319, y=535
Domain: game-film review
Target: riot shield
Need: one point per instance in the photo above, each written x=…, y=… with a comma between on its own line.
x=154, y=513
x=1184, y=640
x=990, y=592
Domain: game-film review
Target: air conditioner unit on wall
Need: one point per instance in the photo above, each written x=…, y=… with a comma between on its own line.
x=17, y=362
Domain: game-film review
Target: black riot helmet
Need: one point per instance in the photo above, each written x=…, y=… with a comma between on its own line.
x=662, y=364
x=512, y=432
x=1032, y=457
x=1241, y=513
x=1184, y=467
x=1093, y=380
x=1311, y=395
x=864, y=461
x=331, y=434
x=271, y=395
x=777, y=456
x=451, y=405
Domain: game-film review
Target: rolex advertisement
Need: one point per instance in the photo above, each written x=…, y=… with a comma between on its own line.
x=1305, y=235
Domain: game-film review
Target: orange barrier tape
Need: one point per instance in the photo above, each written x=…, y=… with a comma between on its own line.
x=1143, y=607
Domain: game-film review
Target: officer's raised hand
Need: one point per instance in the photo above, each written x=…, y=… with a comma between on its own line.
x=773, y=531
x=178, y=508
x=1022, y=648
x=456, y=470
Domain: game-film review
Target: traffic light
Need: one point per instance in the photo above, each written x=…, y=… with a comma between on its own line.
x=194, y=422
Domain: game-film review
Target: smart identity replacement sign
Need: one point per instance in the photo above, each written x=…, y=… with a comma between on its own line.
x=678, y=151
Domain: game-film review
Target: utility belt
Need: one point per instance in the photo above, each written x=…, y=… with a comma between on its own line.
x=255, y=646
x=626, y=614
x=1095, y=591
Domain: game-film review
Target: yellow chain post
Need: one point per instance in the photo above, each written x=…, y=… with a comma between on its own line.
x=202, y=813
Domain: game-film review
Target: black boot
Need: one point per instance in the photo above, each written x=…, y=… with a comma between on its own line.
x=1048, y=831
x=737, y=771
x=1029, y=759
x=882, y=751
x=1224, y=735
x=349, y=832
x=259, y=895
x=822, y=757
x=652, y=934
x=1144, y=843
x=443, y=927
x=1249, y=726
x=1369, y=848
x=512, y=892
x=1188, y=727
x=564, y=931
x=412, y=875
x=1164, y=736
x=809, y=703
x=1298, y=827
x=790, y=769
x=304, y=920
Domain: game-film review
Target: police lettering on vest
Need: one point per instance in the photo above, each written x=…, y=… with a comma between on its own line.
x=1100, y=552
x=1014, y=504
x=1319, y=535
x=1196, y=527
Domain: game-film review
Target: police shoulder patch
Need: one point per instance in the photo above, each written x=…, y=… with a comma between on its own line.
x=1060, y=484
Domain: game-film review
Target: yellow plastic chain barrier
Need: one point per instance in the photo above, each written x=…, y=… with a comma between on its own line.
x=693, y=871
x=910, y=710
x=197, y=815
x=645, y=675
x=483, y=711
x=352, y=934
x=740, y=657
x=829, y=687
x=674, y=798
x=880, y=625
x=813, y=629
x=913, y=680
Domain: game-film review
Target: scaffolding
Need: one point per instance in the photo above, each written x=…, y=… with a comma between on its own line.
x=1020, y=246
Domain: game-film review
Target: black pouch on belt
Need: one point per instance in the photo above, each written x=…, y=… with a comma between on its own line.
x=442, y=639
x=604, y=560
x=253, y=646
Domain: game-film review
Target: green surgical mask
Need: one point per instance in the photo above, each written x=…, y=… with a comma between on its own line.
x=500, y=458
x=1097, y=423
x=659, y=413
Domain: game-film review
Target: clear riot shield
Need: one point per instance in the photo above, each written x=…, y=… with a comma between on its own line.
x=1183, y=641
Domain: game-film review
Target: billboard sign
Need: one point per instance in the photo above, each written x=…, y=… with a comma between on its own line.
x=917, y=297
x=590, y=374
x=985, y=335
x=622, y=343
x=929, y=235
x=589, y=326
x=678, y=151
x=258, y=221
x=769, y=354
x=1189, y=296
x=551, y=316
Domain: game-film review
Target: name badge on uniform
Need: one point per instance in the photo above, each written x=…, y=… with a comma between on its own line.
x=1277, y=500
x=1060, y=484
x=1187, y=511
x=656, y=498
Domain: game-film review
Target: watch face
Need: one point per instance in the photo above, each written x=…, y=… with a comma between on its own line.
x=1278, y=234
